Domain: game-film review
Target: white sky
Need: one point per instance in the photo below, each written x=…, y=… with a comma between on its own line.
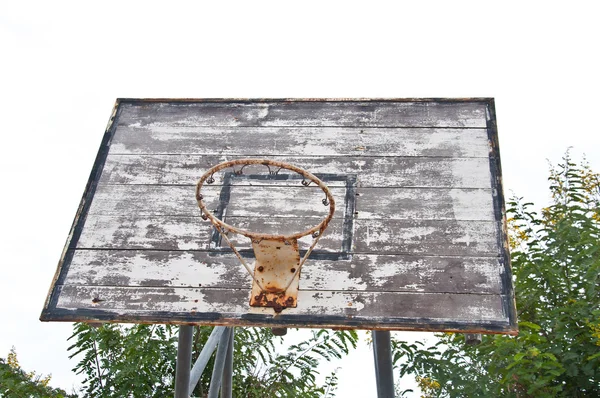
x=63, y=64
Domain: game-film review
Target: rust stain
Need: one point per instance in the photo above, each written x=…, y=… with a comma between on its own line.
x=277, y=301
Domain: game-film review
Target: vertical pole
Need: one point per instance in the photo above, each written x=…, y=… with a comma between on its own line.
x=227, y=383
x=382, y=351
x=219, y=365
x=184, y=361
x=204, y=356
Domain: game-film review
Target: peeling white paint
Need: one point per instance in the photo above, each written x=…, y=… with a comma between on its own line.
x=424, y=236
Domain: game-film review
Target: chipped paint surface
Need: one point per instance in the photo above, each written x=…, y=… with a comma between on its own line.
x=416, y=242
x=232, y=303
x=433, y=172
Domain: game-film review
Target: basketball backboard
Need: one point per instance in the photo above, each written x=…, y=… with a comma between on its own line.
x=418, y=240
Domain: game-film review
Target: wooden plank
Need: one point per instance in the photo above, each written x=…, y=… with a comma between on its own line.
x=297, y=201
x=150, y=232
x=424, y=204
x=261, y=201
x=432, y=237
x=146, y=268
x=246, y=141
x=230, y=306
x=371, y=171
x=306, y=113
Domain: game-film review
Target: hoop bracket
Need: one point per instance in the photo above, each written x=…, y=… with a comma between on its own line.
x=275, y=269
x=275, y=280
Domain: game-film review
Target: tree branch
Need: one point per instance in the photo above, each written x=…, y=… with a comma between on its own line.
x=98, y=369
x=294, y=361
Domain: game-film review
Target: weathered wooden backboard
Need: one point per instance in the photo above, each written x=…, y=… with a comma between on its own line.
x=418, y=240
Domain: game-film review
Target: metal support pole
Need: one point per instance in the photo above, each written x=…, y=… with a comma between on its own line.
x=382, y=351
x=217, y=374
x=205, y=355
x=184, y=361
x=227, y=383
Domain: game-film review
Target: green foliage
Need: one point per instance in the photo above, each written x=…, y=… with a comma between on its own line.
x=15, y=382
x=119, y=361
x=139, y=361
x=556, y=263
x=294, y=372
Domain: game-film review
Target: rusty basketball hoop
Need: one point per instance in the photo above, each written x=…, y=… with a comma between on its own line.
x=277, y=257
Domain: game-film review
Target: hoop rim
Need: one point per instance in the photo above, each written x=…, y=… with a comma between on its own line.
x=319, y=228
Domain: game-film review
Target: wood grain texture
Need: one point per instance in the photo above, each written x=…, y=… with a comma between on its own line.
x=227, y=306
x=417, y=241
x=364, y=272
x=266, y=142
x=296, y=202
x=371, y=171
x=298, y=114
x=434, y=237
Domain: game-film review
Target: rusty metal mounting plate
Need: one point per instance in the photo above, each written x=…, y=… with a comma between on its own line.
x=275, y=268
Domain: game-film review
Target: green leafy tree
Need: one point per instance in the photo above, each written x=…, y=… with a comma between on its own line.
x=139, y=361
x=556, y=263
x=119, y=361
x=15, y=382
